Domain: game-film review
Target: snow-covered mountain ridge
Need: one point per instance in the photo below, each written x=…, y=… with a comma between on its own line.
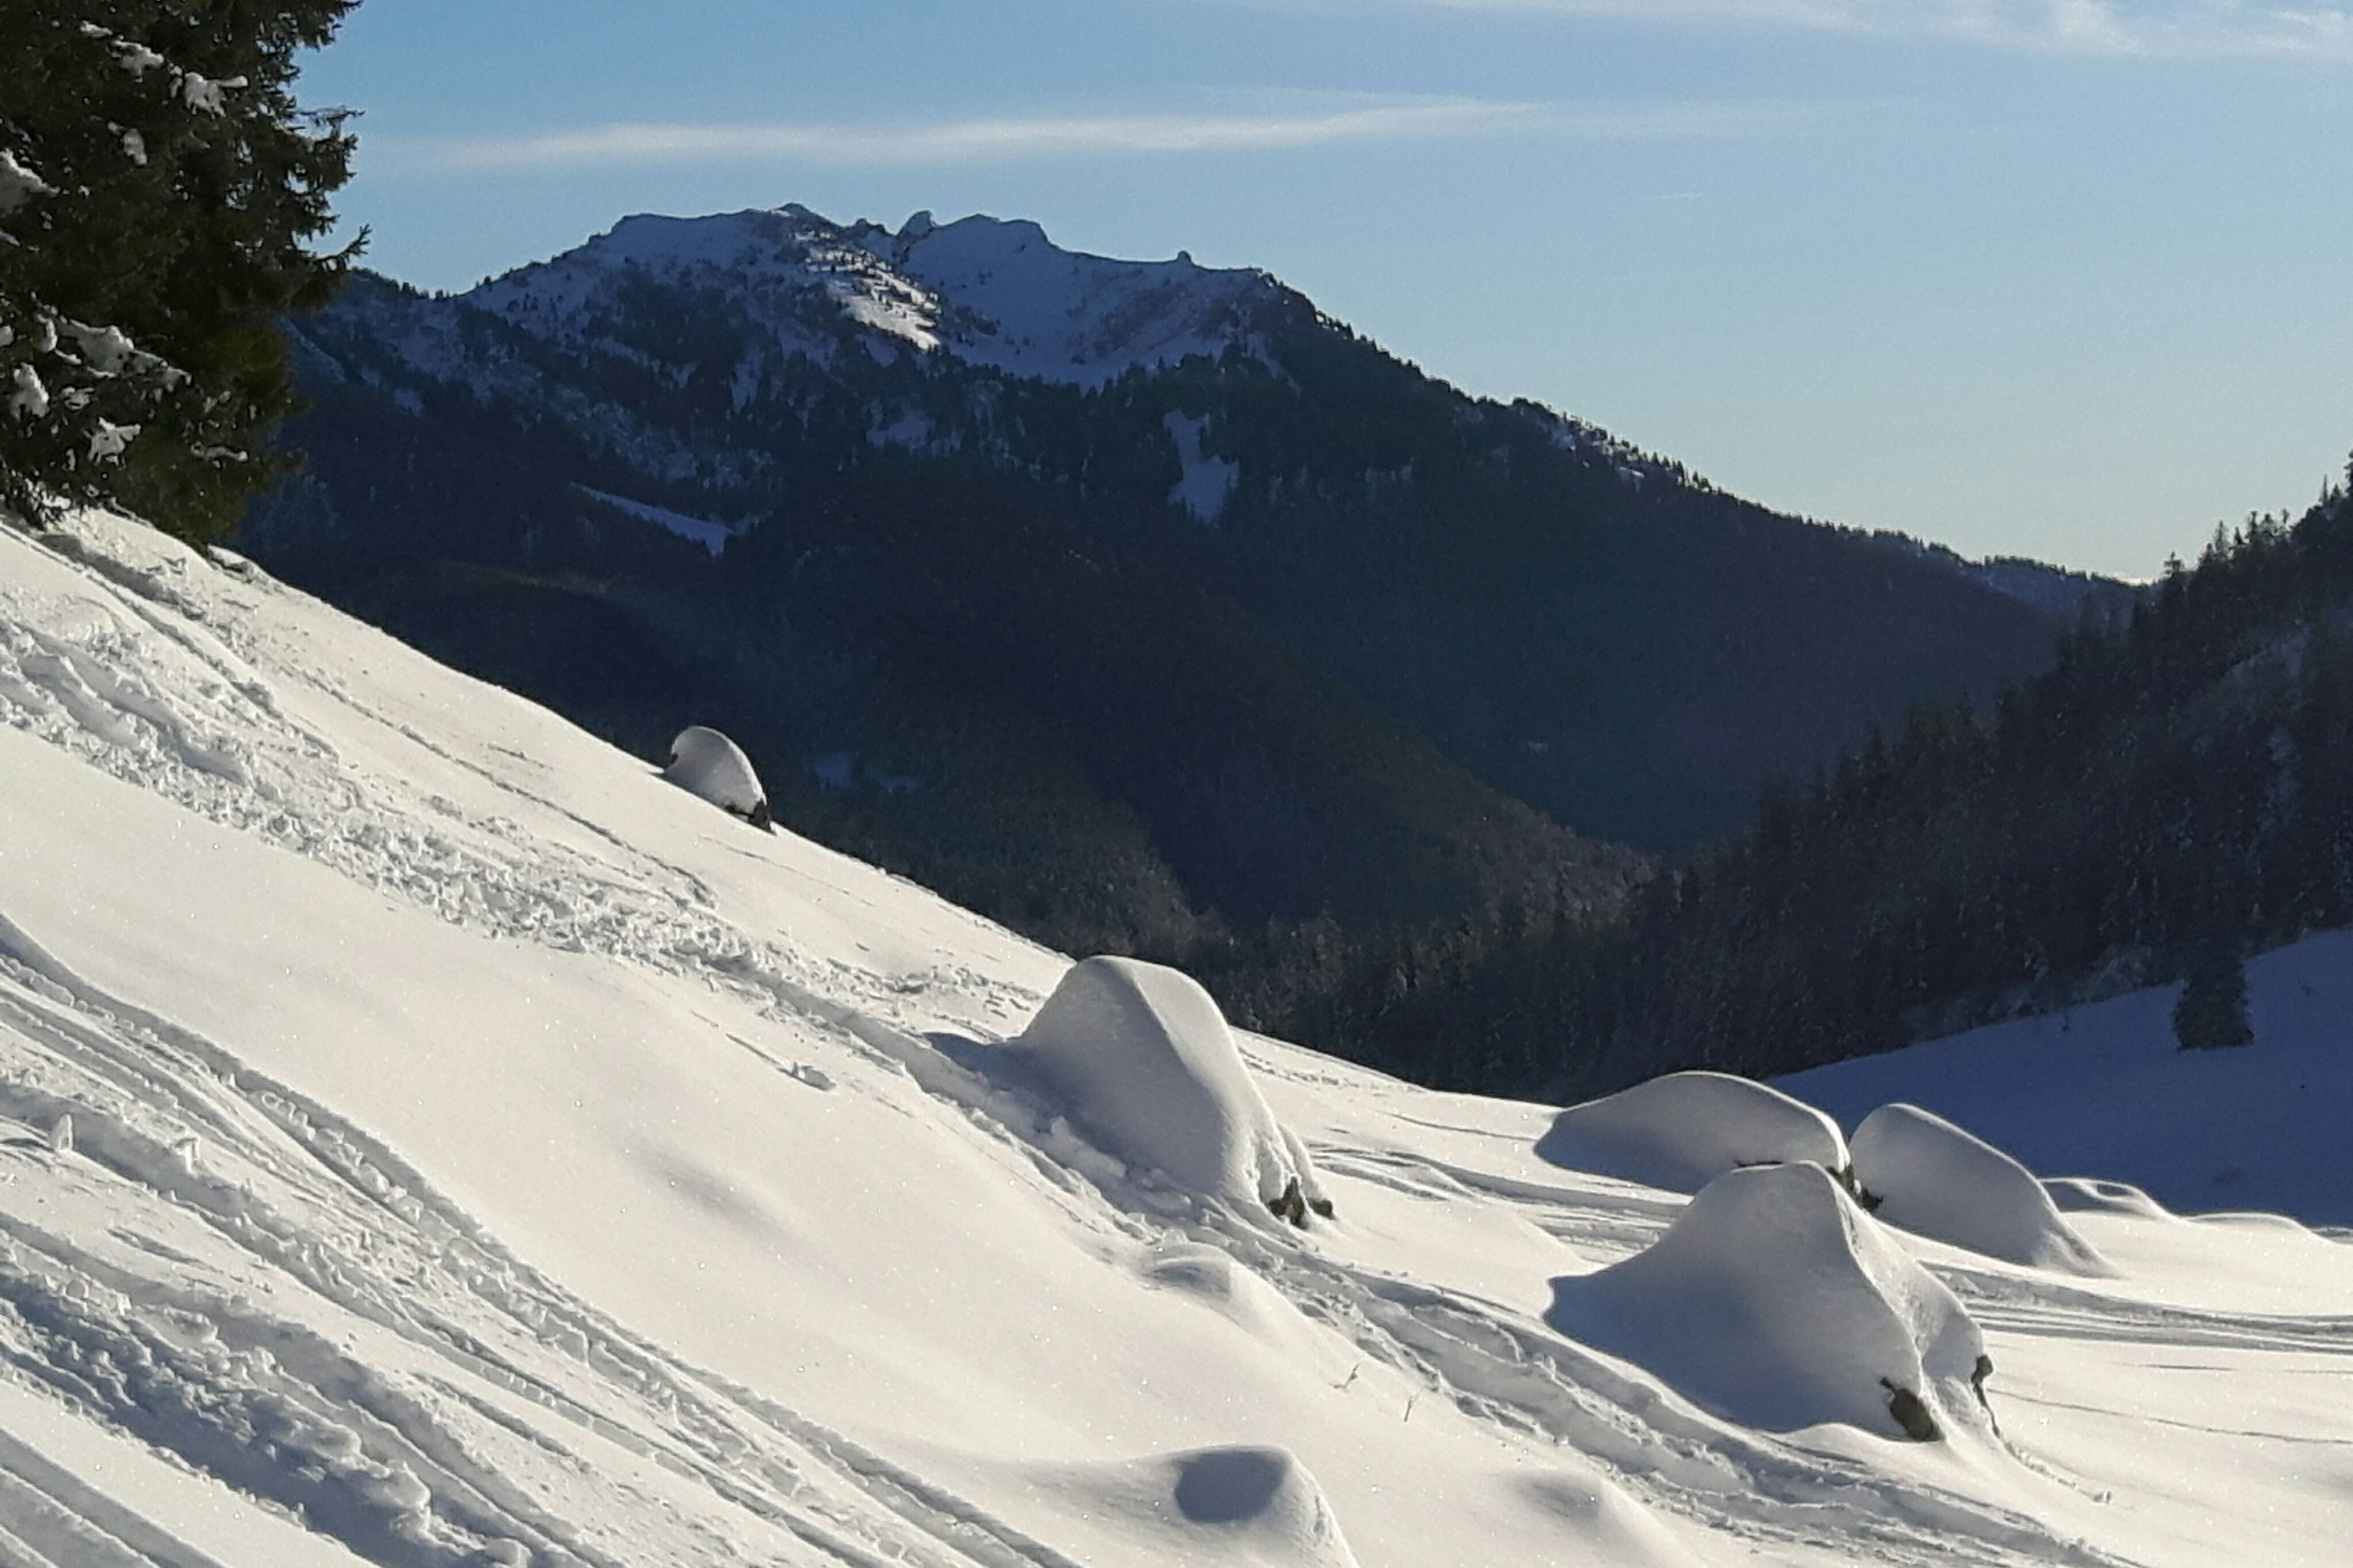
x=981, y=290
x=995, y=295
x=431, y=1139
x=1000, y=295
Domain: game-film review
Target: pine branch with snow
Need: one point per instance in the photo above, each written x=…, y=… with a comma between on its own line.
x=160, y=192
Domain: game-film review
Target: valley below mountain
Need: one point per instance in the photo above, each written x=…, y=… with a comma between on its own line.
x=1139, y=604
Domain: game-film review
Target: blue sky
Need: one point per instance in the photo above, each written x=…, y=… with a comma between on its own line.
x=2059, y=277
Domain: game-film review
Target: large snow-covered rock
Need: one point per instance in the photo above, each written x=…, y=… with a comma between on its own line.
x=1144, y=1063
x=1916, y=1170
x=1775, y=1300
x=708, y=763
x=1682, y=1130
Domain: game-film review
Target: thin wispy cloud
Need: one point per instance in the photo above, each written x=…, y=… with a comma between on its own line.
x=1009, y=140
x=2155, y=29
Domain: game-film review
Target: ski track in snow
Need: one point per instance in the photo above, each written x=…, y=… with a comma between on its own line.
x=169, y=1271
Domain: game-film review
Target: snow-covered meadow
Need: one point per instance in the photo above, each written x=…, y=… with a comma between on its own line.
x=429, y=1136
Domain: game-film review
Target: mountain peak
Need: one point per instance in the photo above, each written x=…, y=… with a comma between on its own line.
x=992, y=291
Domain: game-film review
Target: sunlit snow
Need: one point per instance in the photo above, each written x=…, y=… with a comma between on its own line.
x=428, y=1137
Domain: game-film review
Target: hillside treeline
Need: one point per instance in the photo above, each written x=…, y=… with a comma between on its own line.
x=2177, y=786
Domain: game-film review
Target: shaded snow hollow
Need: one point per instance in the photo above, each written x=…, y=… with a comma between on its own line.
x=1682, y=1130
x=1250, y=1506
x=1774, y=1299
x=1144, y=1064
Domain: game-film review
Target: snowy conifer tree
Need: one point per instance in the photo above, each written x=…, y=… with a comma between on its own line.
x=158, y=185
x=2211, y=1013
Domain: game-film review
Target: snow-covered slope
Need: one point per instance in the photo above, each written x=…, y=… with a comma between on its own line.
x=430, y=1138
x=2102, y=1091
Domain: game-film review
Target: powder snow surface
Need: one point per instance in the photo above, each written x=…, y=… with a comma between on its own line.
x=485, y=1152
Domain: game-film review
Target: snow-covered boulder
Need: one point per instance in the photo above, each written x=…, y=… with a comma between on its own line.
x=1916, y=1170
x=1682, y=1130
x=1143, y=1062
x=714, y=767
x=1775, y=1301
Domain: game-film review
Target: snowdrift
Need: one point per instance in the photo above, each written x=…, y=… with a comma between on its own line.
x=1682, y=1130
x=2085, y=1194
x=1775, y=1300
x=1248, y=1505
x=1916, y=1170
x=706, y=762
x=1142, y=1062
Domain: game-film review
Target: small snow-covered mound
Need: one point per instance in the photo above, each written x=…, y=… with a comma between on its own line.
x=1143, y=1062
x=2086, y=1195
x=706, y=762
x=1256, y=1506
x=1775, y=1301
x=1682, y=1130
x=1916, y=1170
x=1211, y=1276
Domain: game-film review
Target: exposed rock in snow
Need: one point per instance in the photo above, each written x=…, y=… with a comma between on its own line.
x=1144, y=1064
x=1682, y=1130
x=709, y=765
x=1776, y=1302
x=1917, y=1169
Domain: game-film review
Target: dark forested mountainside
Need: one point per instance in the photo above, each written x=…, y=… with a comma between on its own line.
x=2175, y=792
x=946, y=671
x=1134, y=648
